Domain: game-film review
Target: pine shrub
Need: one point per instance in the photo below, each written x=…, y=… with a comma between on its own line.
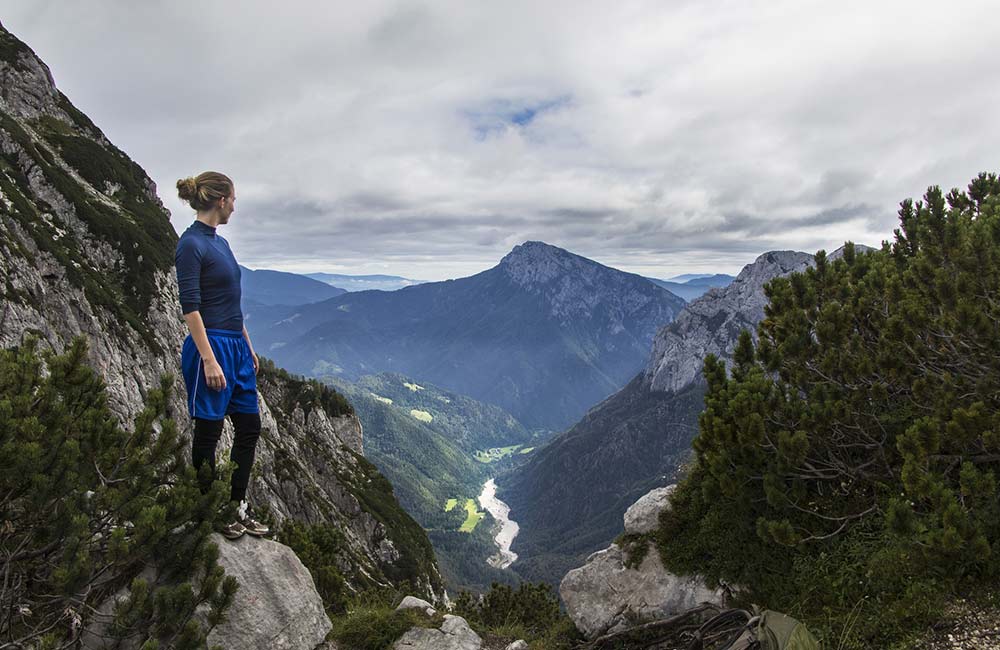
x=531, y=611
x=846, y=465
x=86, y=506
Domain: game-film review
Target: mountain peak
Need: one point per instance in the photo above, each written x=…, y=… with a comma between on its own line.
x=534, y=251
x=537, y=262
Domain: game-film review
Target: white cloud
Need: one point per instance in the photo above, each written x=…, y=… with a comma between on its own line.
x=426, y=140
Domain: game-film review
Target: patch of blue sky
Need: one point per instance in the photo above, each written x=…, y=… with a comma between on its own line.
x=496, y=116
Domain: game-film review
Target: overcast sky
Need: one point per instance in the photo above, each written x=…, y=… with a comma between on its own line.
x=428, y=139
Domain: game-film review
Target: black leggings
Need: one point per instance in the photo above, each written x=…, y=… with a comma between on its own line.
x=206, y=437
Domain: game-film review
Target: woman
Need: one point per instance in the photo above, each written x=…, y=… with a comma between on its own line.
x=217, y=360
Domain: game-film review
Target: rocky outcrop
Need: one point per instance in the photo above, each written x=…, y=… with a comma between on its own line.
x=606, y=596
x=86, y=248
x=276, y=606
x=712, y=324
x=454, y=634
x=643, y=516
x=412, y=602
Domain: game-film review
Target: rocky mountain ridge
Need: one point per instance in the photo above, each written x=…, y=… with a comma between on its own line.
x=712, y=323
x=544, y=334
x=574, y=286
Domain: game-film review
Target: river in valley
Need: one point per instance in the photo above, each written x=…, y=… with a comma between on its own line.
x=508, y=529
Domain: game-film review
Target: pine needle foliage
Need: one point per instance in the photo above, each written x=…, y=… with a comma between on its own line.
x=847, y=463
x=530, y=612
x=319, y=547
x=86, y=506
x=532, y=606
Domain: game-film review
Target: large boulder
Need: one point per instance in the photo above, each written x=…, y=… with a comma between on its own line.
x=277, y=606
x=454, y=634
x=606, y=596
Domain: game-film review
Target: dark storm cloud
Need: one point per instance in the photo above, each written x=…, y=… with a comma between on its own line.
x=427, y=139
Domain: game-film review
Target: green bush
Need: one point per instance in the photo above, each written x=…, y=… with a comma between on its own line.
x=85, y=505
x=371, y=621
x=846, y=466
x=318, y=546
x=373, y=629
x=530, y=612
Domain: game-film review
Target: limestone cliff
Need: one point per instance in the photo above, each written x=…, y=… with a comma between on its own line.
x=712, y=323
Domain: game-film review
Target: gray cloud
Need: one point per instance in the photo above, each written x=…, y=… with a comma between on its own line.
x=427, y=139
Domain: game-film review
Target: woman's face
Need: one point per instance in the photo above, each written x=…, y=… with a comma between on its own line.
x=228, y=206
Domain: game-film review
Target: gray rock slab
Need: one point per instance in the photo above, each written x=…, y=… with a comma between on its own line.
x=604, y=596
x=277, y=606
x=643, y=516
x=412, y=602
x=455, y=634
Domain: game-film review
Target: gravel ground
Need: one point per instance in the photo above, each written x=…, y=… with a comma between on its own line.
x=493, y=642
x=964, y=626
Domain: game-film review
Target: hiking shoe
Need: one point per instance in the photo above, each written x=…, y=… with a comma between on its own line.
x=251, y=525
x=233, y=530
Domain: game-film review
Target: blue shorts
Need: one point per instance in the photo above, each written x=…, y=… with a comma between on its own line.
x=233, y=354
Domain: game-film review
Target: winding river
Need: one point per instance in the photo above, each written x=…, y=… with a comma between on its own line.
x=508, y=529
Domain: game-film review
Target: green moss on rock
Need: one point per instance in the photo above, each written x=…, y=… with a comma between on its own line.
x=12, y=48
x=138, y=229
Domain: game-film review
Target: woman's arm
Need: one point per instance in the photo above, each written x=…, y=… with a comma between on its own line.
x=256, y=362
x=214, y=376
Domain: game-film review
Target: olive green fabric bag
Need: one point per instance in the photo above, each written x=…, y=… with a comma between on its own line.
x=774, y=631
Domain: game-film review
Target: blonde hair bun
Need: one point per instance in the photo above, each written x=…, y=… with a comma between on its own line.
x=203, y=191
x=187, y=188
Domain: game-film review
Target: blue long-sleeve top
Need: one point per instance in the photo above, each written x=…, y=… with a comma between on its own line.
x=208, y=277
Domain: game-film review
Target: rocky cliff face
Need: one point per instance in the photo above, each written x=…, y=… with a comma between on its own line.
x=712, y=324
x=86, y=248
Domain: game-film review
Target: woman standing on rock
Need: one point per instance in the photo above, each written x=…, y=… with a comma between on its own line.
x=217, y=360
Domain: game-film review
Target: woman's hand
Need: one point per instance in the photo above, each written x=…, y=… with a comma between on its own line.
x=214, y=376
x=256, y=362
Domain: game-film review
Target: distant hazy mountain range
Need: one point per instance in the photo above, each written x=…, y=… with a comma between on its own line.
x=364, y=282
x=690, y=287
x=545, y=334
x=570, y=496
x=265, y=287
